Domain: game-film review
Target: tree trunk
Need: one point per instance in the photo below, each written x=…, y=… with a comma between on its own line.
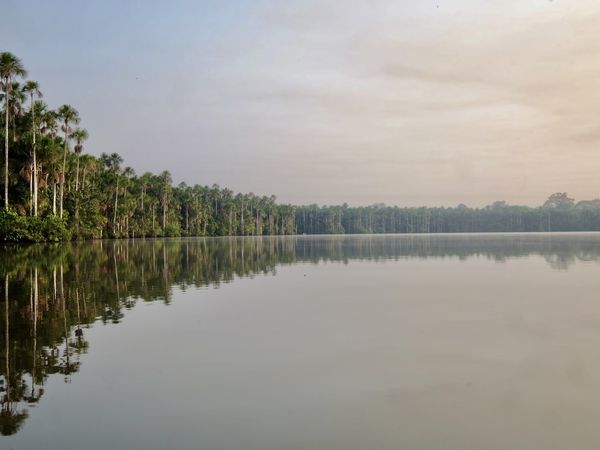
x=77, y=174
x=164, y=221
x=54, y=197
x=116, y=205
x=62, y=193
x=242, y=219
x=83, y=178
x=7, y=84
x=30, y=190
x=35, y=169
x=64, y=168
x=153, y=219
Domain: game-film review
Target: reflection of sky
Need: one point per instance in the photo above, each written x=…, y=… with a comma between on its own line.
x=363, y=355
x=432, y=102
x=467, y=280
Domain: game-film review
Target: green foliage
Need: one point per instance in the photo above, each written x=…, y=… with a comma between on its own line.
x=559, y=213
x=13, y=227
x=37, y=229
x=55, y=229
x=172, y=230
x=17, y=228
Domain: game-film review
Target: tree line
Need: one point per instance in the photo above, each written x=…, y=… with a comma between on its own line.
x=53, y=191
x=558, y=213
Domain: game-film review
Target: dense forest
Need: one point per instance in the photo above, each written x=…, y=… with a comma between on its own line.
x=558, y=213
x=53, y=190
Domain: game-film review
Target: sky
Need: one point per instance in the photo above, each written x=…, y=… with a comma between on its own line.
x=400, y=102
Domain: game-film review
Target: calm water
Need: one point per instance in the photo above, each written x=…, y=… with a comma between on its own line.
x=373, y=342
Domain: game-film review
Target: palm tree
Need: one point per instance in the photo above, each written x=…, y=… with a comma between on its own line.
x=52, y=158
x=17, y=101
x=33, y=88
x=80, y=135
x=128, y=174
x=10, y=66
x=144, y=184
x=48, y=128
x=113, y=163
x=89, y=164
x=166, y=180
x=68, y=115
x=48, y=125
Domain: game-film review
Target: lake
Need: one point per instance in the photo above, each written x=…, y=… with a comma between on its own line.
x=329, y=342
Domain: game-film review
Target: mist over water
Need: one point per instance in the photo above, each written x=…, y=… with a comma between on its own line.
x=478, y=341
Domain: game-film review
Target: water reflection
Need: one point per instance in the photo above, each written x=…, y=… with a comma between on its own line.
x=53, y=293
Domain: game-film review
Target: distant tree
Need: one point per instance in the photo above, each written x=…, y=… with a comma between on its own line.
x=10, y=67
x=113, y=163
x=33, y=88
x=68, y=115
x=498, y=205
x=79, y=135
x=559, y=200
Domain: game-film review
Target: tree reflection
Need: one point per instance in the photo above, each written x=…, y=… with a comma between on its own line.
x=53, y=293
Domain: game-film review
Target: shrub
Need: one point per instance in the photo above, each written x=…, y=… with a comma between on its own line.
x=55, y=229
x=13, y=227
x=35, y=229
x=17, y=228
x=172, y=230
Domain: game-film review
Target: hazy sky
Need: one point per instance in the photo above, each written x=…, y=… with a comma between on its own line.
x=403, y=102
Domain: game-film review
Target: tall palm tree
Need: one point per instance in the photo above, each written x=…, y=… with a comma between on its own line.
x=79, y=135
x=144, y=185
x=18, y=98
x=68, y=115
x=166, y=180
x=49, y=128
x=33, y=88
x=113, y=163
x=53, y=169
x=48, y=124
x=89, y=164
x=128, y=175
x=10, y=67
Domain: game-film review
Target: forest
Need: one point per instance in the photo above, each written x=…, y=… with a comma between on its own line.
x=53, y=190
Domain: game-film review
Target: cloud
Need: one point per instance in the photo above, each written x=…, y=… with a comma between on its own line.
x=402, y=102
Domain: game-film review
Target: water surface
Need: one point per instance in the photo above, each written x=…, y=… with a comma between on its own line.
x=341, y=342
